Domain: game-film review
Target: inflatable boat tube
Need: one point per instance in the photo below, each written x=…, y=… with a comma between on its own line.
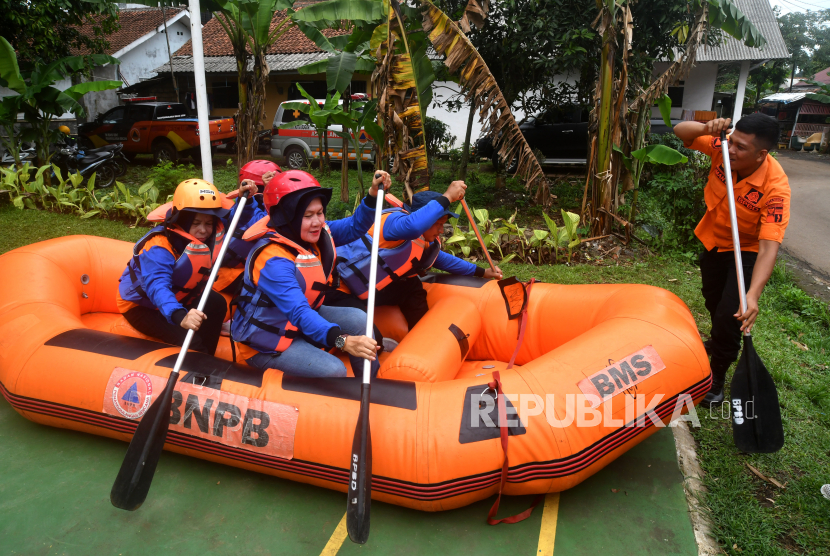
x=601, y=367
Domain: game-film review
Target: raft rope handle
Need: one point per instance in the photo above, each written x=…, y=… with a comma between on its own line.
x=496, y=386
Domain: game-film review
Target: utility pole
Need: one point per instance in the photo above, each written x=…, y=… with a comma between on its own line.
x=201, y=89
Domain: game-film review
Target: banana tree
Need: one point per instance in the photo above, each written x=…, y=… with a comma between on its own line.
x=402, y=76
x=618, y=121
x=349, y=53
x=358, y=117
x=321, y=117
x=39, y=101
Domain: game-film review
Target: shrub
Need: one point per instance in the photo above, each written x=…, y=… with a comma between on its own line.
x=168, y=175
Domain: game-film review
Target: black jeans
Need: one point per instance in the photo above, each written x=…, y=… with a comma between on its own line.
x=408, y=294
x=720, y=291
x=152, y=323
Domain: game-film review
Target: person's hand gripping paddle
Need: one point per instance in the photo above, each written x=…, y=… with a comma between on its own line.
x=136, y=474
x=756, y=416
x=359, y=503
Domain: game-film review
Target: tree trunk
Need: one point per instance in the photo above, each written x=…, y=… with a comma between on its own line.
x=344, y=166
x=637, y=165
x=602, y=178
x=465, y=154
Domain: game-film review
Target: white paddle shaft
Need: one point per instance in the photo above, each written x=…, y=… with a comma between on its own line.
x=228, y=235
x=733, y=219
x=373, y=276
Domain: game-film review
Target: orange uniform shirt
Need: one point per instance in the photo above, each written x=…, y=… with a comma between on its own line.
x=762, y=202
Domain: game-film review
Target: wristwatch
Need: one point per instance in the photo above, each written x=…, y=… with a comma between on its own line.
x=340, y=342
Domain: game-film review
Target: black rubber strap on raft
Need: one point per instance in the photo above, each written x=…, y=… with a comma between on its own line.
x=496, y=386
x=463, y=342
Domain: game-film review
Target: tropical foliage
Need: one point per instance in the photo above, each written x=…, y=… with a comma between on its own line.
x=506, y=240
x=28, y=189
x=46, y=30
x=621, y=111
x=39, y=100
x=398, y=37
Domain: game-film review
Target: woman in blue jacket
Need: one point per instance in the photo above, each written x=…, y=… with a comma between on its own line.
x=280, y=322
x=164, y=281
x=409, y=246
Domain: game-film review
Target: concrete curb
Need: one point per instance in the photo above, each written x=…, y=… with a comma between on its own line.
x=693, y=486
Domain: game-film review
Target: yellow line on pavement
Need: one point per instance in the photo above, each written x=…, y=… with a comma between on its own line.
x=547, y=533
x=337, y=538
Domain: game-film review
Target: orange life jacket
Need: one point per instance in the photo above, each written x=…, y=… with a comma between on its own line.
x=259, y=323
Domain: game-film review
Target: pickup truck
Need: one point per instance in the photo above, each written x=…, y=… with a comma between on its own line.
x=160, y=128
x=561, y=133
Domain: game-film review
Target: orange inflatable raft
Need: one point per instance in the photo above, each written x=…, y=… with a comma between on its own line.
x=601, y=367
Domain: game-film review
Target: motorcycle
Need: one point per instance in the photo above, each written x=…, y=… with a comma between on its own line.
x=71, y=160
x=119, y=160
x=27, y=154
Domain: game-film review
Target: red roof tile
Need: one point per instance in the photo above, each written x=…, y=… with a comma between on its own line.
x=134, y=25
x=216, y=42
x=822, y=77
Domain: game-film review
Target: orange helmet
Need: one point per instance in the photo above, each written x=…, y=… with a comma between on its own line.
x=197, y=195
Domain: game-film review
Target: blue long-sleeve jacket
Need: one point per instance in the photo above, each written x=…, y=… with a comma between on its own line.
x=402, y=226
x=155, y=271
x=278, y=280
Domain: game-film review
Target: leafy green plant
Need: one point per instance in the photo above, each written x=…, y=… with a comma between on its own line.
x=321, y=117
x=40, y=101
x=566, y=236
x=27, y=190
x=140, y=205
x=167, y=175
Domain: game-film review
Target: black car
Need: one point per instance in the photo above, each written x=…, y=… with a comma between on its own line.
x=561, y=133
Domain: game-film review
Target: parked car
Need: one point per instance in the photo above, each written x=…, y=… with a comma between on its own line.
x=298, y=145
x=561, y=133
x=160, y=128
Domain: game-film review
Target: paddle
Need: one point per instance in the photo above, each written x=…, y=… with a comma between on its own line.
x=136, y=474
x=756, y=416
x=358, y=504
x=478, y=234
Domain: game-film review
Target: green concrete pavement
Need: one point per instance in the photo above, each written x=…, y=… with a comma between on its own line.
x=54, y=500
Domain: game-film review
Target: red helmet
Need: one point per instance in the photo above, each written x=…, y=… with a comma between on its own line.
x=291, y=191
x=255, y=169
x=285, y=183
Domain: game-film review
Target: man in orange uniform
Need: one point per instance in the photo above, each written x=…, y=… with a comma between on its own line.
x=762, y=202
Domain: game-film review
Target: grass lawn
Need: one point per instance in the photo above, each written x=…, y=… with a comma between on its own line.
x=750, y=515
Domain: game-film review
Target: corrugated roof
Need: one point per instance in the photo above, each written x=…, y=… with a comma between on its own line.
x=730, y=49
x=786, y=98
x=220, y=64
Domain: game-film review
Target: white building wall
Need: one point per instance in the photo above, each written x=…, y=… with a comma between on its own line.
x=139, y=62
x=136, y=64
x=699, y=87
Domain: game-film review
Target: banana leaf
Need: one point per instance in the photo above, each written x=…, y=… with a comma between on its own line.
x=340, y=10
x=475, y=77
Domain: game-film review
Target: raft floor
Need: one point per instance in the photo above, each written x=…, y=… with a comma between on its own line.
x=55, y=484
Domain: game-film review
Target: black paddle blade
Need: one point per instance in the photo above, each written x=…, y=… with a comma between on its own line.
x=136, y=474
x=359, y=503
x=756, y=416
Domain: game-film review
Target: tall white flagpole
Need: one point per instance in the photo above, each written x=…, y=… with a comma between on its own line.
x=201, y=89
